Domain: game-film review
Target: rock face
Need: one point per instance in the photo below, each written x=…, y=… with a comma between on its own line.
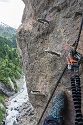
x=6, y=90
x=58, y=34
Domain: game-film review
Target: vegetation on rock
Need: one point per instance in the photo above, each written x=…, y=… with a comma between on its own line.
x=2, y=108
x=10, y=65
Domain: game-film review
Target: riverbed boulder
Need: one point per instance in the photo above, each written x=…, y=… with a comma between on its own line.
x=57, y=34
x=7, y=91
x=26, y=114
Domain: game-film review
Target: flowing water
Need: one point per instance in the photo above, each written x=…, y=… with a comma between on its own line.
x=15, y=103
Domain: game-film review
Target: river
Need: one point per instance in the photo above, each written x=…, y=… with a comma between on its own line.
x=15, y=102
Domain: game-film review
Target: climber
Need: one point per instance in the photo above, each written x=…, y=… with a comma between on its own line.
x=59, y=104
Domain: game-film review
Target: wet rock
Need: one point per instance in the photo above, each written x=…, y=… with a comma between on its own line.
x=11, y=109
x=15, y=101
x=3, y=122
x=16, y=109
x=14, y=123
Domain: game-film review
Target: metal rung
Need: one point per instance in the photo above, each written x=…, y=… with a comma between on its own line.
x=53, y=53
x=37, y=92
x=42, y=20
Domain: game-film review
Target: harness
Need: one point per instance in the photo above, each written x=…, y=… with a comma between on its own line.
x=74, y=59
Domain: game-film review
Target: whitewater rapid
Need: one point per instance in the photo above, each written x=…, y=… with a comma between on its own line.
x=14, y=103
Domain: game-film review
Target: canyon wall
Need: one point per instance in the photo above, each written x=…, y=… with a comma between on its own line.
x=58, y=34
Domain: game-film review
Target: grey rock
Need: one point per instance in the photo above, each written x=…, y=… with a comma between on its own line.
x=6, y=90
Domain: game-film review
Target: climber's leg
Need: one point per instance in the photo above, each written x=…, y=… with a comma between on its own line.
x=56, y=114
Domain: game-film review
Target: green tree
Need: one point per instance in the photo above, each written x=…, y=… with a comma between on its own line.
x=10, y=65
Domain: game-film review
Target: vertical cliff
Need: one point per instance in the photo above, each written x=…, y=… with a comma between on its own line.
x=57, y=34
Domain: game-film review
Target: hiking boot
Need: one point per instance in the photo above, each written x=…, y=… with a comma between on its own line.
x=58, y=106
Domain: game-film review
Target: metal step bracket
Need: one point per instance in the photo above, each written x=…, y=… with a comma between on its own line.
x=38, y=93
